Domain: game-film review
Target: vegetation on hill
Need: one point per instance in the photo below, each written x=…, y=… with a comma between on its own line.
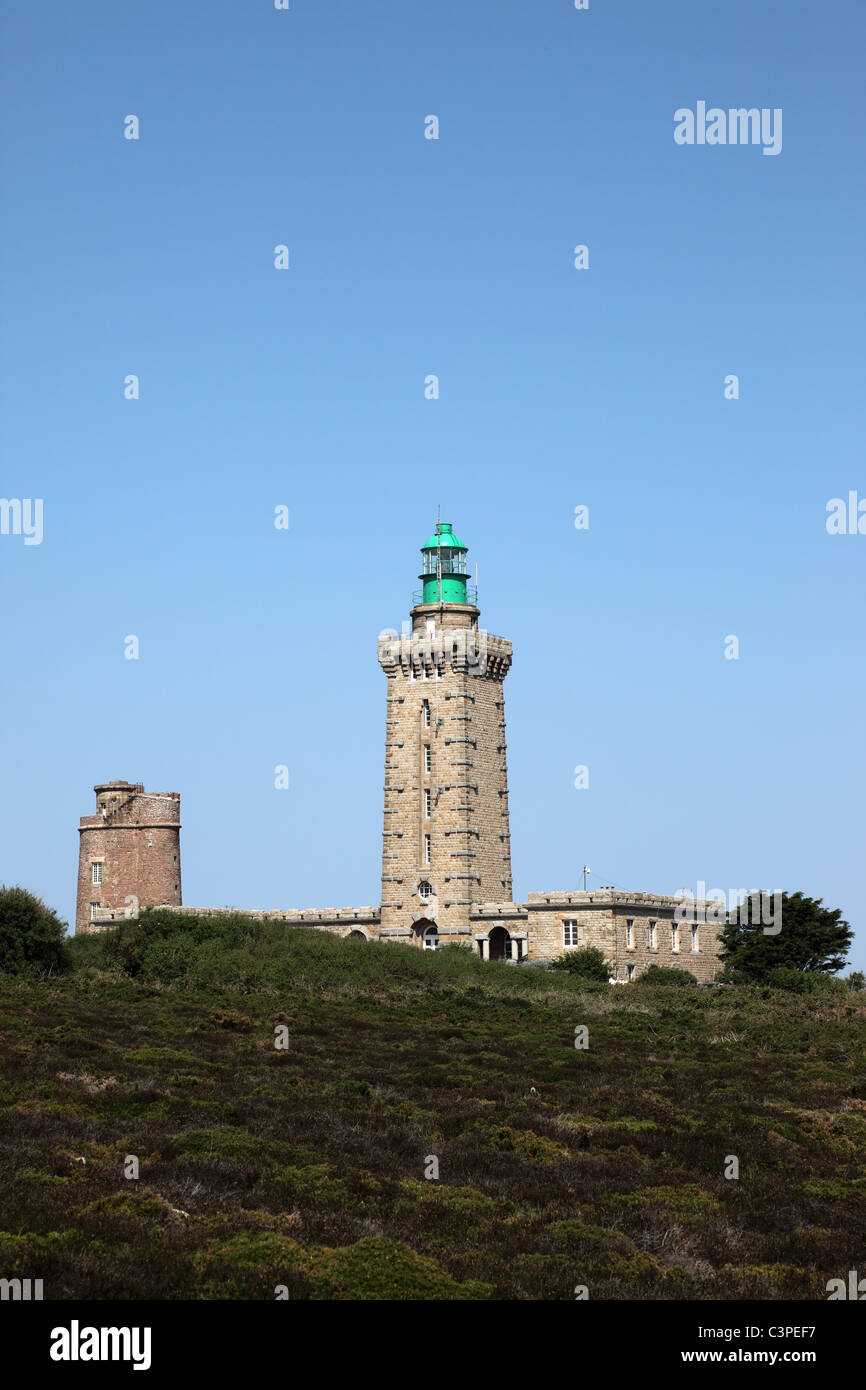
x=32, y=936
x=306, y=1168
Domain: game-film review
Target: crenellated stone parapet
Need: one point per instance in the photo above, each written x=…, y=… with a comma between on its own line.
x=464, y=650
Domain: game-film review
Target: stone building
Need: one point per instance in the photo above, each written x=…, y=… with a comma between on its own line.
x=446, y=845
x=129, y=854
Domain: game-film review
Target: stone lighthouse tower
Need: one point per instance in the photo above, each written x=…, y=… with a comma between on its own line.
x=445, y=838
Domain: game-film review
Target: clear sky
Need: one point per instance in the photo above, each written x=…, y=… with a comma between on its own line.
x=559, y=387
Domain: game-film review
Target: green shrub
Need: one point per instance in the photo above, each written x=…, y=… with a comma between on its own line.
x=666, y=975
x=802, y=981
x=587, y=962
x=228, y=949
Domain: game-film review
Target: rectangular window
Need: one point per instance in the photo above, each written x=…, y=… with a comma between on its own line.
x=629, y=934
x=675, y=938
x=695, y=942
x=651, y=936
x=428, y=802
x=96, y=872
x=426, y=849
x=428, y=758
x=93, y=907
x=426, y=713
x=569, y=933
x=629, y=972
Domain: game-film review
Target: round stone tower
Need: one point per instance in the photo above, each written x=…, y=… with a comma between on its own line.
x=129, y=854
x=445, y=839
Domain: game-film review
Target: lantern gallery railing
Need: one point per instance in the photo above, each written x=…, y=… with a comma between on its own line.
x=471, y=594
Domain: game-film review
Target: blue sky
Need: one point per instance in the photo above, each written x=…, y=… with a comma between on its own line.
x=558, y=387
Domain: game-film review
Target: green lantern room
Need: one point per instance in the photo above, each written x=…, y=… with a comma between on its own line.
x=444, y=573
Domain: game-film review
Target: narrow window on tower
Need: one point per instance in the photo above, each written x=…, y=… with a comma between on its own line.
x=426, y=849
x=651, y=936
x=695, y=943
x=428, y=802
x=428, y=758
x=425, y=708
x=96, y=872
x=675, y=938
x=629, y=934
x=93, y=907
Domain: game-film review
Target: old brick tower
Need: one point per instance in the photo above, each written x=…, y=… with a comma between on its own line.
x=129, y=854
x=445, y=839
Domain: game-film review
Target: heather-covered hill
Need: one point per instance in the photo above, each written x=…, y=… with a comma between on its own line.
x=306, y=1167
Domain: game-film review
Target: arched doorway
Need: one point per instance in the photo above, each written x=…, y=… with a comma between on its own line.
x=499, y=944
x=428, y=933
x=358, y=935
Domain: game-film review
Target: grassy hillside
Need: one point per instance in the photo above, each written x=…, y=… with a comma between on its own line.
x=306, y=1167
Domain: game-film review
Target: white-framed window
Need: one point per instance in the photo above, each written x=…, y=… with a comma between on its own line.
x=428, y=802
x=428, y=758
x=425, y=713
x=569, y=933
x=425, y=891
x=96, y=871
x=431, y=939
x=431, y=624
x=629, y=933
x=675, y=937
x=696, y=945
x=427, y=849
x=651, y=935
x=93, y=910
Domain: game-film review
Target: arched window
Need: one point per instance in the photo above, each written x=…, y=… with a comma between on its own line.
x=425, y=891
x=431, y=939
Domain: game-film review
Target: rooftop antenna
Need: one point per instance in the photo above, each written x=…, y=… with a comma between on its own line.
x=439, y=552
x=586, y=870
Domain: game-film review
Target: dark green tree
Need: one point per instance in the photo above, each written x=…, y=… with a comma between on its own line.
x=811, y=937
x=32, y=936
